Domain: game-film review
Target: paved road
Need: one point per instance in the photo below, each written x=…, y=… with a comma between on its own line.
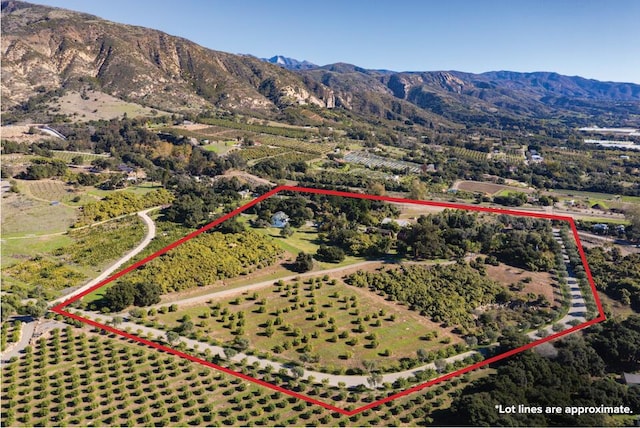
x=151, y=233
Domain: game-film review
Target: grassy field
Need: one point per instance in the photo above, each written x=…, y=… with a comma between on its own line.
x=23, y=216
x=139, y=189
x=80, y=378
x=342, y=325
x=220, y=147
x=631, y=199
x=609, y=220
x=15, y=250
x=304, y=239
x=594, y=195
x=67, y=260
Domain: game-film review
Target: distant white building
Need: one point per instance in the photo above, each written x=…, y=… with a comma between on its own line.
x=399, y=222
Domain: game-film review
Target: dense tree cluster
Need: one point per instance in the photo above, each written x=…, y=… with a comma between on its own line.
x=281, y=167
x=120, y=203
x=124, y=294
x=616, y=275
x=207, y=258
x=303, y=262
x=44, y=168
x=194, y=201
x=355, y=242
x=330, y=254
x=447, y=294
x=576, y=377
x=522, y=242
x=512, y=200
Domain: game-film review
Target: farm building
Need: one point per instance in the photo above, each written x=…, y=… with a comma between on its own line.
x=279, y=219
x=399, y=222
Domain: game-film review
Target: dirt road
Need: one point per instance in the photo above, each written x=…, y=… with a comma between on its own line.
x=151, y=233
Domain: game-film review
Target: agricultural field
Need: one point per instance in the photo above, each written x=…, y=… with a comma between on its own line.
x=73, y=257
x=297, y=145
x=23, y=216
x=200, y=262
x=373, y=161
x=488, y=188
x=470, y=154
x=260, y=152
x=282, y=131
x=50, y=190
x=319, y=318
x=76, y=377
x=120, y=203
x=9, y=333
x=67, y=156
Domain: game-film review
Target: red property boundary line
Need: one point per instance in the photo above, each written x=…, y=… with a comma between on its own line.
x=59, y=308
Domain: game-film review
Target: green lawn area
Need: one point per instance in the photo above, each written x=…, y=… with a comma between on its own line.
x=303, y=314
x=631, y=199
x=304, y=239
x=589, y=219
x=15, y=250
x=590, y=195
x=506, y=192
x=139, y=189
x=221, y=147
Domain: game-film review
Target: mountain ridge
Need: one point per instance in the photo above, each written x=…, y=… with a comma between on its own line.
x=45, y=49
x=290, y=63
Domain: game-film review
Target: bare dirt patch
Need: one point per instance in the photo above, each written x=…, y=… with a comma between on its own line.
x=97, y=106
x=541, y=282
x=408, y=211
x=20, y=133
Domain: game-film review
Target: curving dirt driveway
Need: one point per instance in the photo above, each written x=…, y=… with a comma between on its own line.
x=151, y=233
x=262, y=284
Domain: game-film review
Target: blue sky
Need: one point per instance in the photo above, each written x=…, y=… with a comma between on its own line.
x=597, y=39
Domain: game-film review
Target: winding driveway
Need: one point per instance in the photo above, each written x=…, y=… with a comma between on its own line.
x=262, y=284
x=151, y=233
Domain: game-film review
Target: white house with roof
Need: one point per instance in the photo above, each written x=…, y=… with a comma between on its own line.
x=279, y=219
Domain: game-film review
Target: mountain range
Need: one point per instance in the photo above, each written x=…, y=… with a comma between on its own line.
x=47, y=50
x=290, y=63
